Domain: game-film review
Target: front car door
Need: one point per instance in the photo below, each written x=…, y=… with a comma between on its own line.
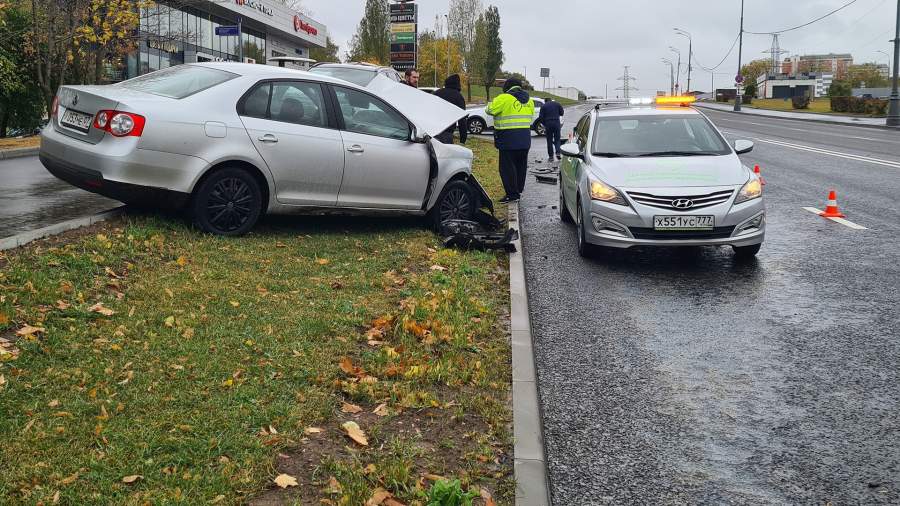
x=289, y=123
x=383, y=168
x=569, y=167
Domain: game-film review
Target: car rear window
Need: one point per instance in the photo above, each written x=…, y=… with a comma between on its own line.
x=180, y=81
x=359, y=77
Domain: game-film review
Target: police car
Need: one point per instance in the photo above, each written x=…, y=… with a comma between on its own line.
x=657, y=172
x=480, y=121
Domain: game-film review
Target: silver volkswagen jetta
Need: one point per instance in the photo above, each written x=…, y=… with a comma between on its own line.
x=230, y=142
x=649, y=174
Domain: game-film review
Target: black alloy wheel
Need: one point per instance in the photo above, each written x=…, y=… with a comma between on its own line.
x=229, y=203
x=457, y=202
x=476, y=126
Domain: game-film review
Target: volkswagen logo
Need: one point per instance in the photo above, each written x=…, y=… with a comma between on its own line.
x=74, y=99
x=682, y=203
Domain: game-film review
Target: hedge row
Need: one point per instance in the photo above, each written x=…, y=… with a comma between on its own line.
x=872, y=106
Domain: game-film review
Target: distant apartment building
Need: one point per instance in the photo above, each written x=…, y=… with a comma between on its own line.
x=564, y=91
x=785, y=86
x=884, y=70
x=831, y=63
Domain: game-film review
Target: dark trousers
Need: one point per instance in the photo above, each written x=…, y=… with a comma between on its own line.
x=554, y=140
x=513, y=169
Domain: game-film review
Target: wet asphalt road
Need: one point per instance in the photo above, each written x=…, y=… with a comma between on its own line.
x=32, y=198
x=682, y=376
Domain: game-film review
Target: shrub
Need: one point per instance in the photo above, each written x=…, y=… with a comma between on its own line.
x=800, y=102
x=746, y=99
x=857, y=105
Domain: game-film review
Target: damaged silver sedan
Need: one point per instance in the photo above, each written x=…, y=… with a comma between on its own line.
x=230, y=142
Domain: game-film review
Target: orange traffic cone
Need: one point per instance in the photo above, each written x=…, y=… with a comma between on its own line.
x=756, y=171
x=831, y=210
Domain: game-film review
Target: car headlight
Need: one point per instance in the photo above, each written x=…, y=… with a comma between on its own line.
x=605, y=193
x=751, y=190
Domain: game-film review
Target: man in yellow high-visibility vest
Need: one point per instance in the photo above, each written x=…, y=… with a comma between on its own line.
x=513, y=113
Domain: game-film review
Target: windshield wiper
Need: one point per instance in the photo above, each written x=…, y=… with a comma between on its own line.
x=609, y=155
x=676, y=153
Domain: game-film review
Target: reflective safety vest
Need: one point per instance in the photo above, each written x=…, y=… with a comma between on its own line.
x=510, y=114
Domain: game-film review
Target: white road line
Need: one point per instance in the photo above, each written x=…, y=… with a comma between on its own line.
x=859, y=158
x=842, y=221
x=811, y=131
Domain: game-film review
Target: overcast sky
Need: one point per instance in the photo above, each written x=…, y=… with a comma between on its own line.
x=586, y=43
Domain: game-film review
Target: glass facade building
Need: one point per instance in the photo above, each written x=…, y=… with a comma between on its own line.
x=171, y=34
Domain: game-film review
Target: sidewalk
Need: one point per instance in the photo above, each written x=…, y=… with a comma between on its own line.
x=801, y=116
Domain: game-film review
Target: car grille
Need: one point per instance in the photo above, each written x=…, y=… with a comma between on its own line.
x=665, y=202
x=674, y=235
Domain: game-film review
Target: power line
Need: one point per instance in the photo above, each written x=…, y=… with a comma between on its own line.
x=723, y=58
x=848, y=4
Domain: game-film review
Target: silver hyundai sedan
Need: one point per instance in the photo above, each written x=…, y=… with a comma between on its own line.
x=653, y=174
x=230, y=142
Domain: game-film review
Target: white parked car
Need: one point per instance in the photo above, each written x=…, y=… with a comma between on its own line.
x=230, y=142
x=480, y=121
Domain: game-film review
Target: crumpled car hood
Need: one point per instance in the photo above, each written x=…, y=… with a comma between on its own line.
x=431, y=115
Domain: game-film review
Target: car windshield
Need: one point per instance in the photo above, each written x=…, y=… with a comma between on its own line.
x=180, y=81
x=657, y=135
x=359, y=77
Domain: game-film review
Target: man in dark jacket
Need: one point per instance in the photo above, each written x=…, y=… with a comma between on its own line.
x=452, y=92
x=551, y=117
x=513, y=113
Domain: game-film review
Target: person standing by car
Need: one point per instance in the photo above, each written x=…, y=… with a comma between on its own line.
x=513, y=112
x=412, y=78
x=452, y=92
x=551, y=117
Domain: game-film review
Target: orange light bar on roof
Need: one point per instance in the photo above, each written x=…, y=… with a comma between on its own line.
x=676, y=100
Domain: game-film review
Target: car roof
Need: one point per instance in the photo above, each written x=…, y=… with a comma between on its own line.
x=645, y=110
x=271, y=72
x=355, y=65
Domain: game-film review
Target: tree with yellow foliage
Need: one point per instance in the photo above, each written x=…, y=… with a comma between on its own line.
x=432, y=60
x=107, y=33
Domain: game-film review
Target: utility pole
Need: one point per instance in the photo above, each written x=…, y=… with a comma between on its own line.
x=684, y=33
x=737, y=88
x=678, y=72
x=448, y=44
x=437, y=30
x=893, y=117
x=671, y=75
x=626, y=79
x=240, y=39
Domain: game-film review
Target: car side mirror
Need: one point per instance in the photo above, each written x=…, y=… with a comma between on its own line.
x=573, y=150
x=743, y=146
x=415, y=136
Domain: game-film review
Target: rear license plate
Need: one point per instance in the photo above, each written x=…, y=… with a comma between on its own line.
x=684, y=222
x=77, y=120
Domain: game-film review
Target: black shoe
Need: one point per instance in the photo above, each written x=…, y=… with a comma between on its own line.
x=505, y=200
x=558, y=157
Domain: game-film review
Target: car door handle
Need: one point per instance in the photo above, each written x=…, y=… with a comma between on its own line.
x=356, y=148
x=268, y=138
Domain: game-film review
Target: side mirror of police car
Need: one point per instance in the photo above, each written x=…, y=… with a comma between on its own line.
x=572, y=150
x=743, y=146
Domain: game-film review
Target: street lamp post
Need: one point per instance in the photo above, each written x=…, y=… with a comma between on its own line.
x=671, y=75
x=893, y=117
x=684, y=33
x=737, y=87
x=888, y=60
x=448, y=44
x=678, y=74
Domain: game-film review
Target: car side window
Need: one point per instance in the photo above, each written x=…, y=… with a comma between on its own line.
x=256, y=105
x=581, y=132
x=301, y=103
x=366, y=114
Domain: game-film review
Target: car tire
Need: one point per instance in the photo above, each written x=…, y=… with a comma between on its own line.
x=477, y=126
x=585, y=249
x=229, y=202
x=564, y=215
x=458, y=201
x=539, y=129
x=746, y=252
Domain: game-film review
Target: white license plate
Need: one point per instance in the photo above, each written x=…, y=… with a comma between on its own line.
x=684, y=222
x=77, y=120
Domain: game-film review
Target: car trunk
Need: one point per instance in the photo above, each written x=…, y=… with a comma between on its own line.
x=76, y=104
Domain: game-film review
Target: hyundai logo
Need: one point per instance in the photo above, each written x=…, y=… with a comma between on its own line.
x=682, y=203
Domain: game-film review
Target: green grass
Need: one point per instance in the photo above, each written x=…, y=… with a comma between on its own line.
x=817, y=106
x=214, y=342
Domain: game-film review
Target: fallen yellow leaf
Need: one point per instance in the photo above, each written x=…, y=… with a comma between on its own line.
x=285, y=481
x=170, y=321
x=323, y=261
x=54, y=403
x=28, y=330
x=182, y=261
x=133, y=478
x=355, y=433
x=381, y=410
x=350, y=408
x=378, y=497
x=235, y=303
x=170, y=293
x=4, y=320
x=69, y=479
x=61, y=305
x=438, y=268
x=334, y=486
x=98, y=308
x=312, y=430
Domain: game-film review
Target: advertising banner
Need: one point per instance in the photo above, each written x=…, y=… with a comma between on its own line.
x=404, y=34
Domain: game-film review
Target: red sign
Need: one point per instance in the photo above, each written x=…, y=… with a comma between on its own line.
x=301, y=26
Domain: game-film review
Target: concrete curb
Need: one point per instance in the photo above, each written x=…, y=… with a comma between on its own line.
x=33, y=235
x=532, y=484
x=752, y=112
x=8, y=154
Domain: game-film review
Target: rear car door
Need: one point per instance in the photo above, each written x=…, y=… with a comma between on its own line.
x=289, y=123
x=383, y=168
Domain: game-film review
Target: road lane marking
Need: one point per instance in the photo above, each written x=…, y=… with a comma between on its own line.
x=858, y=158
x=842, y=221
x=808, y=131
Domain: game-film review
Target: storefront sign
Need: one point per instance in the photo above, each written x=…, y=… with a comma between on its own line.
x=163, y=45
x=257, y=5
x=302, y=26
x=404, y=32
